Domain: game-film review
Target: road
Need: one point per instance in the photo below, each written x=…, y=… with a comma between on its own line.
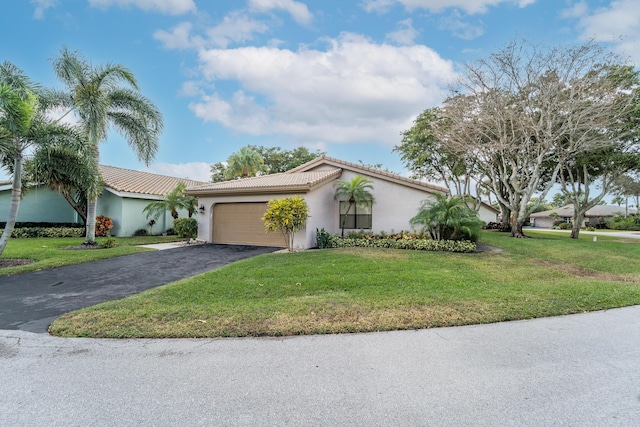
x=580, y=370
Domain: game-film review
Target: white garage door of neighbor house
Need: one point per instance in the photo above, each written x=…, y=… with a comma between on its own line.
x=241, y=224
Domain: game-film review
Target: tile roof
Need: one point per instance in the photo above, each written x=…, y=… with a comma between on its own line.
x=599, y=210
x=303, y=181
x=130, y=181
x=326, y=160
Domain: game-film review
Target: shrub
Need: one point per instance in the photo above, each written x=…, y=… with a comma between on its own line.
x=30, y=232
x=170, y=232
x=107, y=243
x=286, y=216
x=140, y=232
x=104, y=224
x=186, y=227
x=410, y=244
x=323, y=239
x=565, y=226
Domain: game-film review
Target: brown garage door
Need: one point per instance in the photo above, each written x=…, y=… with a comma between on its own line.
x=241, y=223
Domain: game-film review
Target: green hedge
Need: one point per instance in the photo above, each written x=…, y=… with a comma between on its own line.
x=26, y=232
x=45, y=225
x=414, y=244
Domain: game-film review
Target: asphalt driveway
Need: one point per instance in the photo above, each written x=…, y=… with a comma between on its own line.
x=31, y=301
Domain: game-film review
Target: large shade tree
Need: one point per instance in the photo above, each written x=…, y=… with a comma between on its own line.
x=23, y=126
x=356, y=191
x=276, y=160
x=527, y=110
x=244, y=163
x=106, y=96
x=589, y=176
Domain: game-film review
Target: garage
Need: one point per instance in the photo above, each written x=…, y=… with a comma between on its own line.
x=241, y=224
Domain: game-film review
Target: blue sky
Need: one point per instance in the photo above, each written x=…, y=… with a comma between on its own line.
x=342, y=76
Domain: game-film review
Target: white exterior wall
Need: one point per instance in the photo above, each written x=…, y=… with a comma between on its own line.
x=394, y=207
x=487, y=215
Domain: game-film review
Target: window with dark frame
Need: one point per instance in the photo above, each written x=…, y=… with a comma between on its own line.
x=359, y=216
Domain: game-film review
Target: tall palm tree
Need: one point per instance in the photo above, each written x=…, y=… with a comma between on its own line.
x=355, y=191
x=245, y=163
x=447, y=218
x=23, y=125
x=103, y=96
x=174, y=200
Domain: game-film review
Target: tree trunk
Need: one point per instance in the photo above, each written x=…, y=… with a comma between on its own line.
x=16, y=191
x=75, y=207
x=575, y=229
x=91, y=222
x=344, y=221
x=516, y=226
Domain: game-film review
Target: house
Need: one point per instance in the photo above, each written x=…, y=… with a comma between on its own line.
x=125, y=194
x=233, y=210
x=599, y=214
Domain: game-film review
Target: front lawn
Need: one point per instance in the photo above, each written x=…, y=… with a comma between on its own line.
x=359, y=290
x=51, y=252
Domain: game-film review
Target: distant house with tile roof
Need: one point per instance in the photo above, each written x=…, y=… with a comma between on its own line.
x=125, y=194
x=599, y=214
x=233, y=209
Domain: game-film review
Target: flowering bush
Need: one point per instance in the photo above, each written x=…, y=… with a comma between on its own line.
x=103, y=225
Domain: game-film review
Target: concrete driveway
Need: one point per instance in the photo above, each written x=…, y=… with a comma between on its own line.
x=31, y=301
x=581, y=370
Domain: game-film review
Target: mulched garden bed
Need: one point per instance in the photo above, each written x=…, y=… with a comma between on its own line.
x=12, y=262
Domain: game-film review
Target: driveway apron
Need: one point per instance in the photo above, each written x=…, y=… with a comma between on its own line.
x=31, y=301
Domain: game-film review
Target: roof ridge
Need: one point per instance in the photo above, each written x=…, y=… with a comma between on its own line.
x=151, y=173
x=380, y=172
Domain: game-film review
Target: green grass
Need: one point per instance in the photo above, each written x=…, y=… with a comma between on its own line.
x=359, y=290
x=51, y=252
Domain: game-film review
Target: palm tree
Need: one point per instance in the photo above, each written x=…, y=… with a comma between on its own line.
x=245, y=163
x=356, y=191
x=23, y=124
x=174, y=200
x=70, y=170
x=448, y=217
x=104, y=96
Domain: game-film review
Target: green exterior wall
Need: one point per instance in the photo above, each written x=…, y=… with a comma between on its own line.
x=39, y=204
x=43, y=205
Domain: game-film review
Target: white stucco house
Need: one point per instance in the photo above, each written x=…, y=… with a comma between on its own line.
x=231, y=212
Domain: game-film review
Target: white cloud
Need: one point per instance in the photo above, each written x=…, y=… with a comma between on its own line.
x=41, y=7
x=405, y=34
x=236, y=27
x=437, y=6
x=355, y=91
x=198, y=171
x=459, y=28
x=170, y=7
x=298, y=11
x=618, y=23
x=378, y=6
x=577, y=10
x=178, y=38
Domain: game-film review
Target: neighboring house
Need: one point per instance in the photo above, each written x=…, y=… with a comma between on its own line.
x=599, y=214
x=233, y=210
x=126, y=193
